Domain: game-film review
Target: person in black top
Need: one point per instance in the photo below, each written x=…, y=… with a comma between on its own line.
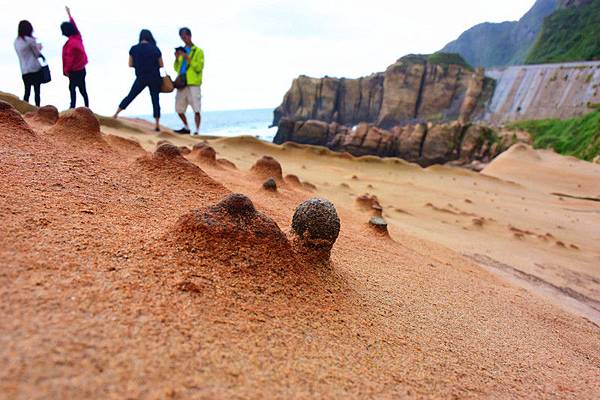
x=146, y=58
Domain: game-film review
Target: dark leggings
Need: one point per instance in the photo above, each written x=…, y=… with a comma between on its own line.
x=77, y=80
x=141, y=82
x=30, y=80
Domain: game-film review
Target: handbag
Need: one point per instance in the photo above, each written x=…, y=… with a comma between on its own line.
x=45, y=75
x=180, y=81
x=167, y=85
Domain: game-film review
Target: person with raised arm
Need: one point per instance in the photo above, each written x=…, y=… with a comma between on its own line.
x=29, y=50
x=146, y=58
x=74, y=60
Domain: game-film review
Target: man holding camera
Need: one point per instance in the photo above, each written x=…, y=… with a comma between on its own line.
x=189, y=63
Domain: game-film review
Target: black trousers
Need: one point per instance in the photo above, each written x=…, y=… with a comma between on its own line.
x=141, y=82
x=33, y=79
x=77, y=80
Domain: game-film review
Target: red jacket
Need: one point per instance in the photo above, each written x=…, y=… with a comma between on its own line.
x=74, y=56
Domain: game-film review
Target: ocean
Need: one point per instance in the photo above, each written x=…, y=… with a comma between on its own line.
x=227, y=123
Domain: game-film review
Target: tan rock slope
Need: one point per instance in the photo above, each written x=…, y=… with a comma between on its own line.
x=128, y=273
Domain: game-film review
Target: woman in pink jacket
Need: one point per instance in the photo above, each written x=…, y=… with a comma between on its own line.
x=74, y=59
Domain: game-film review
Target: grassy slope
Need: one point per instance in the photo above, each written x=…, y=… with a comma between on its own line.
x=578, y=137
x=569, y=35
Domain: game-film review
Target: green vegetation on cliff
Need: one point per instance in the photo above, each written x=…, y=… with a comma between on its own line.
x=578, y=137
x=570, y=34
x=448, y=59
x=440, y=58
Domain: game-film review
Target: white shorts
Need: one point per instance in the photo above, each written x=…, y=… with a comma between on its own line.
x=188, y=96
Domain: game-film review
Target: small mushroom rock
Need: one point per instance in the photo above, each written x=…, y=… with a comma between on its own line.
x=233, y=231
x=379, y=224
x=317, y=224
x=167, y=150
x=268, y=167
x=270, y=185
x=203, y=152
x=45, y=115
x=79, y=120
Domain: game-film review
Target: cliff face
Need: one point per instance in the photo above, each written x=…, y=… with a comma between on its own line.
x=426, y=144
x=543, y=91
x=416, y=88
x=506, y=43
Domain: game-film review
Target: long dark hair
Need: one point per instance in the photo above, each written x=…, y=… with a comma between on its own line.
x=146, y=35
x=68, y=29
x=25, y=29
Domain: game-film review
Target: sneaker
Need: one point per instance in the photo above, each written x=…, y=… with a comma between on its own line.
x=182, y=131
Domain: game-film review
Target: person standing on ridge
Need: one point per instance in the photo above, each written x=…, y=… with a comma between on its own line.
x=74, y=60
x=189, y=64
x=29, y=50
x=147, y=60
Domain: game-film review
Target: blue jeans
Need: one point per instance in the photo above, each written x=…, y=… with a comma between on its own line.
x=141, y=82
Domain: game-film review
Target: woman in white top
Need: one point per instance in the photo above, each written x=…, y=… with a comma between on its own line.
x=28, y=51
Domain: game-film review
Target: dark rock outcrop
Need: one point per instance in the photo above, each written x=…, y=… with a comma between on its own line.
x=425, y=144
x=316, y=224
x=270, y=185
x=416, y=88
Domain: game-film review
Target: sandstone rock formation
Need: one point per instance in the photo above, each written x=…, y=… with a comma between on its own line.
x=234, y=232
x=47, y=115
x=268, y=167
x=425, y=144
x=11, y=120
x=415, y=88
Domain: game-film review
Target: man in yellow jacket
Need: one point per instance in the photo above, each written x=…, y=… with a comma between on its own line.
x=189, y=62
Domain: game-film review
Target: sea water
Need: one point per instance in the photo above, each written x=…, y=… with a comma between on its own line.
x=227, y=123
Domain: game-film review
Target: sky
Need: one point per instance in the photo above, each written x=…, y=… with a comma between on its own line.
x=253, y=49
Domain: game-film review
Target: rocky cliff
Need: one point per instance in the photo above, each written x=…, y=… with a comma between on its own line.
x=543, y=91
x=417, y=88
x=426, y=144
x=505, y=43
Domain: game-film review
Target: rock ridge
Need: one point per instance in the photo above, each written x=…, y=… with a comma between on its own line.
x=426, y=144
x=416, y=88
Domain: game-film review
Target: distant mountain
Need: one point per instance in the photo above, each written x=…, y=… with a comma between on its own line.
x=570, y=34
x=505, y=43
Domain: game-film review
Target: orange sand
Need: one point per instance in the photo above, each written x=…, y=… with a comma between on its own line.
x=100, y=299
